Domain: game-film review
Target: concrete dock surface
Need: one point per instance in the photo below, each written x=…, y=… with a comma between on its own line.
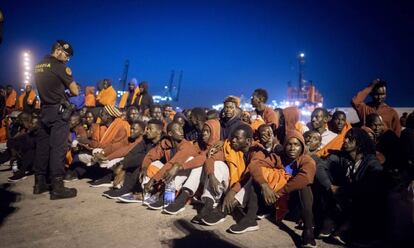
x=91, y=220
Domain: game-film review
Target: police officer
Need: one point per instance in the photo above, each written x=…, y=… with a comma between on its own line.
x=52, y=78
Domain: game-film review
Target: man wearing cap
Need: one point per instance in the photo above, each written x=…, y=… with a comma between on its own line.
x=115, y=136
x=52, y=78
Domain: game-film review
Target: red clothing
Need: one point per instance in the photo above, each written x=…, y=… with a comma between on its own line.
x=388, y=114
x=90, y=100
x=260, y=157
x=80, y=132
x=115, y=136
x=97, y=131
x=185, y=150
x=201, y=157
x=11, y=99
x=271, y=118
x=306, y=168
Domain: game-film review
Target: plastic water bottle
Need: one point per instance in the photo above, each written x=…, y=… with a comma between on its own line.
x=15, y=168
x=169, y=192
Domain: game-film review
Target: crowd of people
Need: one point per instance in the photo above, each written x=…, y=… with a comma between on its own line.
x=334, y=178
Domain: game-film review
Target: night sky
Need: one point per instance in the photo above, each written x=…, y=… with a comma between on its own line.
x=223, y=47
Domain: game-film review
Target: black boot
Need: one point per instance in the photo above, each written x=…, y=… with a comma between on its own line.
x=40, y=185
x=59, y=191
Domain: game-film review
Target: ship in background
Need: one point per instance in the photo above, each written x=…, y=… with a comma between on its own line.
x=305, y=95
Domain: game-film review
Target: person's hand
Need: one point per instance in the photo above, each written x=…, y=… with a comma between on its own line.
x=119, y=177
x=229, y=202
x=268, y=194
x=334, y=188
x=172, y=172
x=142, y=174
x=374, y=82
x=215, y=148
x=214, y=184
x=99, y=156
x=6, y=121
x=149, y=187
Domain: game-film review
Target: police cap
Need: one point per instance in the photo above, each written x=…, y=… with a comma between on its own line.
x=66, y=47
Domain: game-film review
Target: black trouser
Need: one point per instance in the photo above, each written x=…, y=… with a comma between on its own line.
x=306, y=203
x=51, y=142
x=325, y=206
x=131, y=181
x=252, y=204
x=304, y=198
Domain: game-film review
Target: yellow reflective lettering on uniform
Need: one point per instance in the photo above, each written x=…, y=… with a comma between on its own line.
x=68, y=71
x=39, y=67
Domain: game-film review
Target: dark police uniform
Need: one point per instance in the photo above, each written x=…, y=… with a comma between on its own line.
x=52, y=77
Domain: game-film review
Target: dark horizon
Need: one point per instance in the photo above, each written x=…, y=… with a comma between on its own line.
x=223, y=47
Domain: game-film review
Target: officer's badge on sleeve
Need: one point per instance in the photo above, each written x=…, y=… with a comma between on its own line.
x=68, y=71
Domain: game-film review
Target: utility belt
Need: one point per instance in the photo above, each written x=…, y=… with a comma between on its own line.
x=66, y=109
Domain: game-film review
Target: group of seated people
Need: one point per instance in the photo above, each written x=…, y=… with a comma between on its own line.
x=333, y=178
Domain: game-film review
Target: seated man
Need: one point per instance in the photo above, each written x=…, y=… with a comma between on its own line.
x=324, y=201
x=132, y=115
x=77, y=131
x=301, y=168
x=168, y=113
x=115, y=136
x=210, y=136
x=319, y=122
x=230, y=119
x=362, y=196
x=185, y=179
x=387, y=142
x=240, y=192
x=132, y=163
x=340, y=126
x=22, y=147
x=215, y=169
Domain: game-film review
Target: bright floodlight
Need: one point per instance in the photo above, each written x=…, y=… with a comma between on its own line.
x=302, y=55
x=26, y=67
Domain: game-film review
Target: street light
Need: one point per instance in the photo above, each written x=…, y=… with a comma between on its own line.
x=302, y=55
x=26, y=67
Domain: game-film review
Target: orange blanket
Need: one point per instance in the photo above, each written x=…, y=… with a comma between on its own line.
x=235, y=162
x=30, y=99
x=107, y=96
x=336, y=143
x=11, y=99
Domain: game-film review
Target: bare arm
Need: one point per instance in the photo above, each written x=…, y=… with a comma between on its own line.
x=73, y=87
